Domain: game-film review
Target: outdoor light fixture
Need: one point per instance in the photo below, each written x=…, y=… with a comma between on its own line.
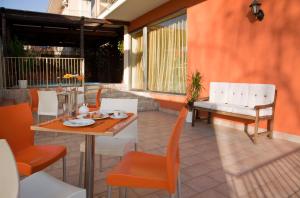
x=256, y=11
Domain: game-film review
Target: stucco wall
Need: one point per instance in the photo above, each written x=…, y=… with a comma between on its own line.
x=225, y=44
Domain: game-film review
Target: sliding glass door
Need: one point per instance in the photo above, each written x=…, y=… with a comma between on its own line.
x=159, y=57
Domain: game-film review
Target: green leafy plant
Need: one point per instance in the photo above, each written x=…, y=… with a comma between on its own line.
x=16, y=48
x=194, y=88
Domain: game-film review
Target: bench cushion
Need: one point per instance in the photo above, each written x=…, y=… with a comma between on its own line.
x=239, y=98
x=230, y=108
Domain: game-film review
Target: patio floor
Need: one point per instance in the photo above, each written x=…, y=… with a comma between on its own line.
x=216, y=161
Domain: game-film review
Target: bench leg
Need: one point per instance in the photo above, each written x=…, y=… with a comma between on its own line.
x=209, y=118
x=246, y=127
x=194, y=116
x=255, y=131
x=270, y=124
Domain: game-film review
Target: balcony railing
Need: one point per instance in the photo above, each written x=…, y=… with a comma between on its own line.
x=40, y=71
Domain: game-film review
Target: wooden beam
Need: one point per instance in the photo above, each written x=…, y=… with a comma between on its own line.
x=3, y=33
x=82, y=38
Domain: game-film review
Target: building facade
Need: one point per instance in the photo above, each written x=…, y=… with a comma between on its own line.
x=168, y=40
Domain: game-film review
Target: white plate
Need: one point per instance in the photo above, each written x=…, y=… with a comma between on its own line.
x=119, y=117
x=79, y=122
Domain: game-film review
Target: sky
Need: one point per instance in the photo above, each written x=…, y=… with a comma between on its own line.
x=32, y=5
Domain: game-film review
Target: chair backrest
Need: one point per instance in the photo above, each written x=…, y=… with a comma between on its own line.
x=34, y=98
x=127, y=105
x=15, y=122
x=123, y=104
x=48, y=103
x=173, y=150
x=9, y=178
x=98, y=96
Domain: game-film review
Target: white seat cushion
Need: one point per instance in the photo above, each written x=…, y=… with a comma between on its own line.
x=42, y=185
x=238, y=94
x=231, y=108
x=260, y=94
x=111, y=146
x=218, y=92
x=204, y=104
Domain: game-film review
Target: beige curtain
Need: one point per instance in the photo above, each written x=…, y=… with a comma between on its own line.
x=136, y=58
x=167, y=58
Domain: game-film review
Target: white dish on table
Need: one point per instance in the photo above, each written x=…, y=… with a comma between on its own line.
x=79, y=122
x=121, y=116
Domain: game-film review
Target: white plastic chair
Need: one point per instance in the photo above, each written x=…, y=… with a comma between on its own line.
x=48, y=104
x=121, y=143
x=38, y=185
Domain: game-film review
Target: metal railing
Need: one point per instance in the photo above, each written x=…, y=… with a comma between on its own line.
x=41, y=71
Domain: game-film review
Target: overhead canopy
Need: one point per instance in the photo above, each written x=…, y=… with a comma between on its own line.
x=45, y=29
x=128, y=10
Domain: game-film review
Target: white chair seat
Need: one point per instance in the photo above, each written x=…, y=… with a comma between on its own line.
x=42, y=185
x=111, y=146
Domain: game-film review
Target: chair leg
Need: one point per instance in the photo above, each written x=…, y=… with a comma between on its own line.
x=108, y=191
x=135, y=146
x=100, y=163
x=120, y=192
x=173, y=195
x=64, y=169
x=270, y=128
x=125, y=192
x=80, y=183
x=178, y=186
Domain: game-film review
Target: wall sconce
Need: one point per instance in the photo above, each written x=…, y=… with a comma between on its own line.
x=256, y=11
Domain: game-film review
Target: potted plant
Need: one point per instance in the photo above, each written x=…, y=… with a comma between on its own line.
x=194, y=88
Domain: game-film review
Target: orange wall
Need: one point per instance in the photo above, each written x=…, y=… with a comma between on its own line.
x=224, y=45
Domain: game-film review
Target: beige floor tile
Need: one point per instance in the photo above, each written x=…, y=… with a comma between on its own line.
x=216, y=161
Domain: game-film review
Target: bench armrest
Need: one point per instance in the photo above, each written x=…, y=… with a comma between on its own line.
x=257, y=107
x=203, y=99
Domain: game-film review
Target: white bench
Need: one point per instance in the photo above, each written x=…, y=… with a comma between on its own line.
x=252, y=102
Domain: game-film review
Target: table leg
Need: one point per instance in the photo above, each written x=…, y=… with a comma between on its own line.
x=89, y=165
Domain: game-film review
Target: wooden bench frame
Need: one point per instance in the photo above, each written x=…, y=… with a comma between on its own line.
x=253, y=119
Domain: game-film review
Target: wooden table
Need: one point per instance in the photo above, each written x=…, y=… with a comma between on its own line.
x=106, y=127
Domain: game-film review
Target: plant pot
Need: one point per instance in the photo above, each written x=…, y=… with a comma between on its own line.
x=189, y=117
x=22, y=84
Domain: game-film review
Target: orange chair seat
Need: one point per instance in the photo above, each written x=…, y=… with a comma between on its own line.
x=139, y=169
x=38, y=157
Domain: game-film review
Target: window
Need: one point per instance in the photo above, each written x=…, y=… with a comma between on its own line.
x=166, y=51
x=136, y=61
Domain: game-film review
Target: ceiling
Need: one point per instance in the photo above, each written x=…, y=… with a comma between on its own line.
x=128, y=10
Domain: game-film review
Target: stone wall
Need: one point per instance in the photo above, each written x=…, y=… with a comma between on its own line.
x=11, y=96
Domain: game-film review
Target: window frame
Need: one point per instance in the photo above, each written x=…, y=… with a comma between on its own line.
x=145, y=30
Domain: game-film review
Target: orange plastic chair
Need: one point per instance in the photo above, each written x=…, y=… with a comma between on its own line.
x=34, y=99
x=15, y=121
x=143, y=170
x=96, y=106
